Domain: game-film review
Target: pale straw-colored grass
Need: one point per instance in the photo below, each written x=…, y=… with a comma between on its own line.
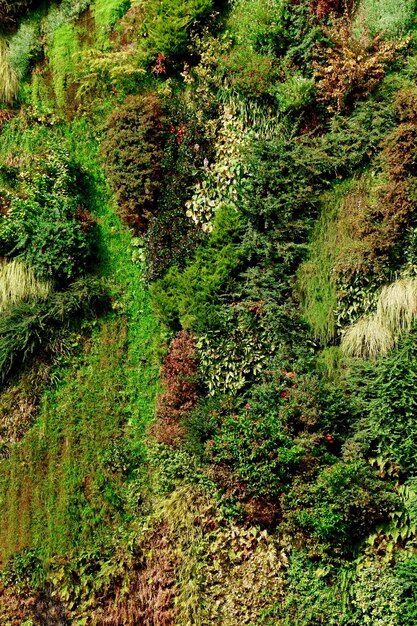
x=9, y=81
x=376, y=334
x=18, y=283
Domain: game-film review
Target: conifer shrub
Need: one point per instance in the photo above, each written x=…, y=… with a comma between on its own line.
x=186, y=298
x=134, y=151
x=167, y=24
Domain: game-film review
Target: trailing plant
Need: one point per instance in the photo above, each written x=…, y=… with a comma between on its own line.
x=28, y=327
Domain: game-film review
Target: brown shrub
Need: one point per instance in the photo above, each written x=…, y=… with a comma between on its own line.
x=133, y=150
x=181, y=394
x=352, y=67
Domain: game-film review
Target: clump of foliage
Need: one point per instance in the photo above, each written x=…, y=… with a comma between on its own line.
x=133, y=150
x=27, y=327
x=9, y=81
x=179, y=377
x=167, y=24
x=185, y=298
x=340, y=507
x=350, y=68
x=45, y=223
x=11, y=11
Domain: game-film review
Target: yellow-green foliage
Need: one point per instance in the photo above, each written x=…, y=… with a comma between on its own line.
x=18, y=282
x=62, y=57
x=9, y=82
x=389, y=17
x=376, y=334
x=107, y=12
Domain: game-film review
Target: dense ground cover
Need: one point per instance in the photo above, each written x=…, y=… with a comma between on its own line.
x=208, y=297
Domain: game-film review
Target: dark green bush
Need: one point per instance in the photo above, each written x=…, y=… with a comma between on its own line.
x=341, y=507
x=167, y=24
x=172, y=237
x=133, y=150
x=185, y=298
x=258, y=448
x=392, y=417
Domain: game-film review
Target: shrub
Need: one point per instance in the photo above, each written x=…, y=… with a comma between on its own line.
x=258, y=448
x=392, y=412
x=133, y=150
x=341, y=507
x=351, y=68
x=45, y=223
x=185, y=299
x=167, y=24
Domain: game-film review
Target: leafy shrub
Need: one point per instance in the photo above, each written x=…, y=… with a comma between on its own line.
x=351, y=68
x=258, y=442
x=45, y=223
x=133, y=150
x=22, y=48
x=28, y=327
x=392, y=415
x=185, y=299
x=341, y=507
x=235, y=351
x=406, y=573
x=172, y=237
x=248, y=72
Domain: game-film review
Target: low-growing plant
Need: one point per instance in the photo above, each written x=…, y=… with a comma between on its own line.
x=9, y=81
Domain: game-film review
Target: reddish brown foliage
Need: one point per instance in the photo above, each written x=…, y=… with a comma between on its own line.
x=322, y=8
x=133, y=149
x=351, y=68
x=181, y=394
x=149, y=600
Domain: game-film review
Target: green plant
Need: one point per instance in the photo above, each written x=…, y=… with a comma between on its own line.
x=185, y=298
x=9, y=81
x=386, y=17
x=167, y=24
x=45, y=224
x=27, y=327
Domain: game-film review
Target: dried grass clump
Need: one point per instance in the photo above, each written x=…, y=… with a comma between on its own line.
x=367, y=338
x=377, y=334
x=9, y=81
x=19, y=283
